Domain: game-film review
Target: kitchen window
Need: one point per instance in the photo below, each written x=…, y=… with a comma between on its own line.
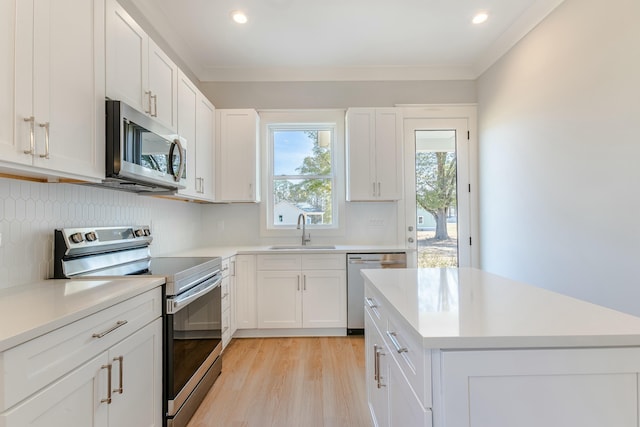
x=303, y=174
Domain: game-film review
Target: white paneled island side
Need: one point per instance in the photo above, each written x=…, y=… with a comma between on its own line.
x=462, y=347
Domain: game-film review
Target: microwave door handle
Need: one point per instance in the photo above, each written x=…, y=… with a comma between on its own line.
x=176, y=175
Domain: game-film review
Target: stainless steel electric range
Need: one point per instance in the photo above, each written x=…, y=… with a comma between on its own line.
x=192, y=356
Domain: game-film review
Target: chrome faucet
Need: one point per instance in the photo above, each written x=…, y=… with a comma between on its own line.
x=303, y=218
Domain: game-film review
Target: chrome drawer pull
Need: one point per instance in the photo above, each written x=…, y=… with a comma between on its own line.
x=371, y=303
x=118, y=324
x=396, y=344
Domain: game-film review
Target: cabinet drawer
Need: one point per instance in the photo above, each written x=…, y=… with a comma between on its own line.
x=36, y=363
x=413, y=360
x=278, y=262
x=324, y=262
x=375, y=306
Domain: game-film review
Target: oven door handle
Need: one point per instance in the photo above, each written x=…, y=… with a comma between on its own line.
x=176, y=304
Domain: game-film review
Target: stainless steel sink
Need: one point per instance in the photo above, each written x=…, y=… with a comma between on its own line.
x=296, y=247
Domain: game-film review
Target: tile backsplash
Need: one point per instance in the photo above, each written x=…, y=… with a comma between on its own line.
x=30, y=211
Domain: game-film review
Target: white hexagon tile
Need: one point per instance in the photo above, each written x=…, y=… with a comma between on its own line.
x=30, y=211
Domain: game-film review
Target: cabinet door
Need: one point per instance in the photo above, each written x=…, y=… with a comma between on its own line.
x=587, y=387
x=388, y=153
x=324, y=299
x=404, y=407
x=246, y=307
x=16, y=64
x=376, y=373
x=279, y=293
x=137, y=371
x=163, y=81
x=233, y=324
x=69, y=100
x=127, y=58
x=187, y=111
x=361, y=181
x=237, y=156
x=205, y=134
x=74, y=400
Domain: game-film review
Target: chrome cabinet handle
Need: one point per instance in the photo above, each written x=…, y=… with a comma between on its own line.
x=373, y=306
x=379, y=190
x=46, y=140
x=118, y=324
x=148, y=93
x=393, y=337
x=304, y=282
x=378, y=354
x=155, y=105
x=374, y=189
x=32, y=135
x=119, y=359
x=376, y=368
x=233, y=268
x=107, y=400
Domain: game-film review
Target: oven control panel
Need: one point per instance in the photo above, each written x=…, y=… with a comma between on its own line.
x=102, y=238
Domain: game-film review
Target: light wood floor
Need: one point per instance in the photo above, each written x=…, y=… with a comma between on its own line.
x=288, y=382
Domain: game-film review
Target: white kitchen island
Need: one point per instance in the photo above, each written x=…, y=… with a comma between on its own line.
x=465, y=348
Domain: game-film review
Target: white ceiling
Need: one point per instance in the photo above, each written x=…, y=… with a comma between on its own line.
x=319, y=40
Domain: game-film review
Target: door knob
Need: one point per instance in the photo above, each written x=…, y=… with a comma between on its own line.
x=410, y=239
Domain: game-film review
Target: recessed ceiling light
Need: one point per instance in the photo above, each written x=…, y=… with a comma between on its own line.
x=239, y=17
x=480, y=18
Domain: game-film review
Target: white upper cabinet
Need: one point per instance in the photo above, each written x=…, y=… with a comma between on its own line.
x=139, y=73
x=374, y=154
x=237, y=156
x=187, y=105
x=196, y=118
x=205, y=137
x=52, y=88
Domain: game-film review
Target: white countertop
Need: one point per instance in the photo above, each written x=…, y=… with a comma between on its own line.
x=469, y=308
x=227, y=251
x=29, y=311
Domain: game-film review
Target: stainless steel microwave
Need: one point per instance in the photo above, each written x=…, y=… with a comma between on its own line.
x=141, y=154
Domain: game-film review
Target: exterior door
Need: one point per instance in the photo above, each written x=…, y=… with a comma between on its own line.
x=437, y=194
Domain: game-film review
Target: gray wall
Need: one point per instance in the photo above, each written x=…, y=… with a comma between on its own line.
x=264, y=95
x=559, y=120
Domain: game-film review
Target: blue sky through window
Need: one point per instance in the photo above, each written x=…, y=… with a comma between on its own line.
x=290, y=149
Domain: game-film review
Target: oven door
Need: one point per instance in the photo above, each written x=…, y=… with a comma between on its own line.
x=193, y=327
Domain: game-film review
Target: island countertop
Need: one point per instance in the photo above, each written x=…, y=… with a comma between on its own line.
x=469, y=308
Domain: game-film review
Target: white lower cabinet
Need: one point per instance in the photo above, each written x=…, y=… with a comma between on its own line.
x=301, y=291
x=392, y=401
x=118, y=383
x=586, y=387
x=72, y=401
x=228, y=300
x=245, y=292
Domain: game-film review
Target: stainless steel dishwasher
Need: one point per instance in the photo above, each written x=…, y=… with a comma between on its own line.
x=355, y=283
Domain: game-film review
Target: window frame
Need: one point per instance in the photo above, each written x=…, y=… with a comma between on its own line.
x=298, y=120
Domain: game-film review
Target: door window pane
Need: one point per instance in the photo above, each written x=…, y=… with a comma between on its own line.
x=436, y=198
